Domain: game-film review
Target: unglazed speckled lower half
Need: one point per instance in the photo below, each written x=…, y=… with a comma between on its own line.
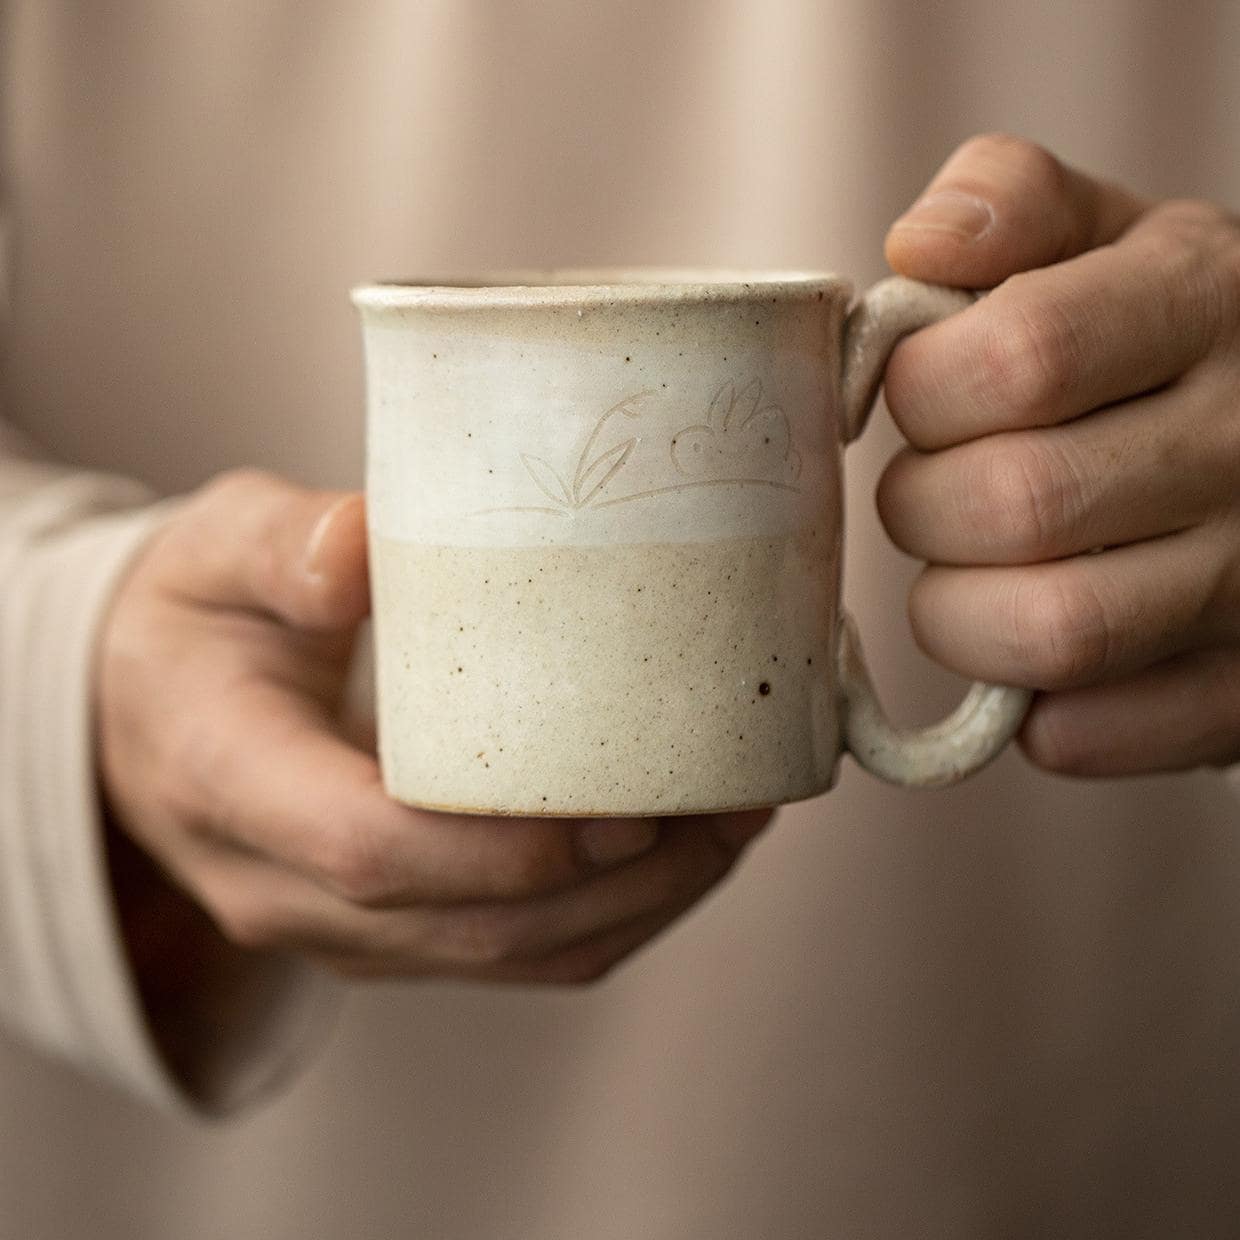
x=631, y=679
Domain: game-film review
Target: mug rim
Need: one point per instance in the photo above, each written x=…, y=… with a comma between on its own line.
x=597, y=286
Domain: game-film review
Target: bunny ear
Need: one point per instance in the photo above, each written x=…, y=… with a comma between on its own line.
x=746, y=403
x=721, y=407
x=771, y=423
x=546, y=480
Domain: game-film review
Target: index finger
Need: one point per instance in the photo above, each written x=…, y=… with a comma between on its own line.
x=283, y=785
x=1049, y=345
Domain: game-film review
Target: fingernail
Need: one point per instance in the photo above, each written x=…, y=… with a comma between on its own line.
x=314, y=559
x=950, y=211
x=604, y=842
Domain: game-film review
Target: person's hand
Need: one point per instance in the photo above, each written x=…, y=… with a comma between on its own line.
x=1074, y=480
x=221, y=671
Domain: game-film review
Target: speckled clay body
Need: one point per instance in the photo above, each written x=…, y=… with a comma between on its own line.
x=622, y=679
x=605, y=544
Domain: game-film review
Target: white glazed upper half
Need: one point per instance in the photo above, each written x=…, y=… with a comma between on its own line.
x=592, y=414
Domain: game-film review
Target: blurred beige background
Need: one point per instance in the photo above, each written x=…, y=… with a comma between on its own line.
x=1006, y=1010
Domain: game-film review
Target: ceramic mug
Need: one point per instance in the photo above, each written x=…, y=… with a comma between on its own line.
x=605, y=542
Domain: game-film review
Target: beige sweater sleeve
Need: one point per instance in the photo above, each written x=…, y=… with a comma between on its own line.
x=66, y=537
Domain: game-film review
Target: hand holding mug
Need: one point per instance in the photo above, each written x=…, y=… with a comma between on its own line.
x=1074, y=478
x=221, y=670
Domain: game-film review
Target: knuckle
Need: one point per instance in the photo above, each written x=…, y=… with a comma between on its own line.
x=1033, y=164
x=1188, y=242
x=1031, y=354
x=1035, y=160
x=198, y=774
x=355, y=863
x=1196, y=245
x=531, y=863
x=1060, y=629
x=1191, y=221
x=247, y=924
x=1033, y=492
x=235, y=487
x=218, y=505
x=484, y=937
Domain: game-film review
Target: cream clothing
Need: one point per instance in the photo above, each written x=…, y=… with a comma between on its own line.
x=1011, y=1009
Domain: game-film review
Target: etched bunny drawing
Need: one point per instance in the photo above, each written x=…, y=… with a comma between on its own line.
x=741, y=437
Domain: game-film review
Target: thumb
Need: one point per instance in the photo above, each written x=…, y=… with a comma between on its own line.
x=255, y=542
x=1000, y=205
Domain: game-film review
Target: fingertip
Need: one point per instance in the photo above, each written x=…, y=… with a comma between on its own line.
x=602, y=843
x=895, y=498
x=335, y=562
x=1046, y=743
x=339, y=530
x=934, y=617
x=916, y=254
x=737, y=830
x=937, y=238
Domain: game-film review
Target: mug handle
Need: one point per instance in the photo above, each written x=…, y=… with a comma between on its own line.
x=990, y=715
